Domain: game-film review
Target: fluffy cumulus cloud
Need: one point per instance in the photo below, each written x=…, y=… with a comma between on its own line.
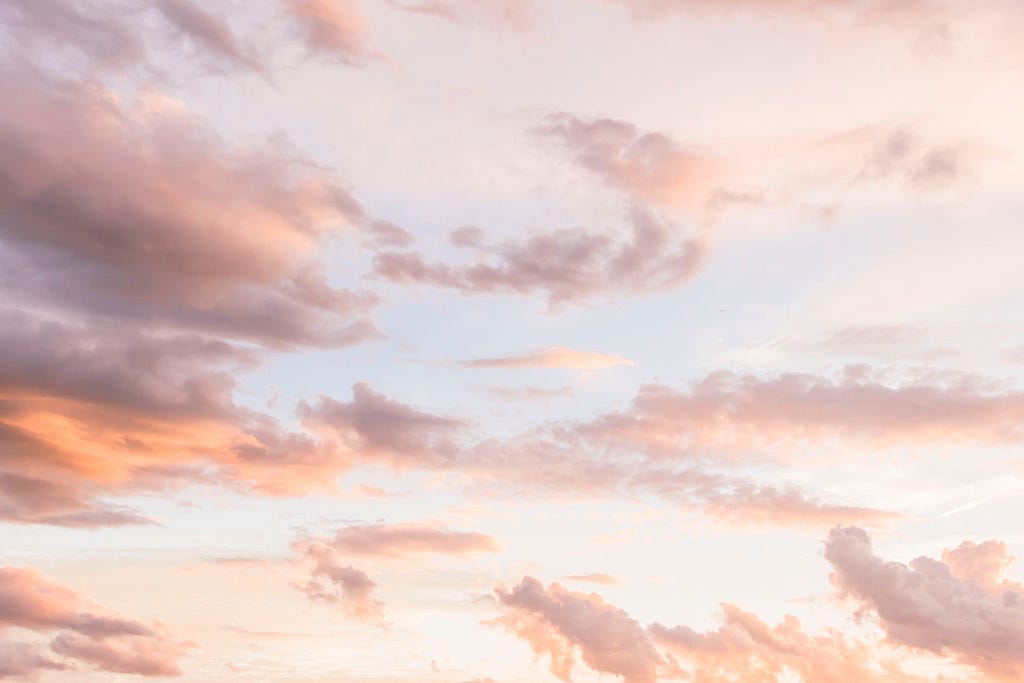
x=960, y=606
x=82, y=633
x=745, y=648
x=559, y=623
x=565, y=626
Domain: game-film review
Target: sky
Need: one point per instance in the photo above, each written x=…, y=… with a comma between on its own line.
x=511, y=341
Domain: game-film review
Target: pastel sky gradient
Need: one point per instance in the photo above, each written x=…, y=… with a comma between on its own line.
x=511, y=341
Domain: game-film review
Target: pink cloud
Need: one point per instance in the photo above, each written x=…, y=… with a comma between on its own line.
x=926, y=605
x=744, y=648
x=558, y=623
x=122, y=35
x=729, y=410
x=169, y=198
x=378, y=428
x=403, y=540
x=516, y=14
x=598, y=578
x=208, y=30
x=552, y=357
x=82, y=631
x=567, y=265
x=23, y=660
x=334, y=27
x=649, y=167
x=333, y=581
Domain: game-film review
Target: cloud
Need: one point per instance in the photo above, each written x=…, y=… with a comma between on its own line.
x=105, y=38
x=333, y=579
x=744, y=648
x=337, y=28
x=552, y=357
x=377, y=427
x=655, y=253
x=208, y=30
x=171, y=226
x=518, y=15
x=558, y=622
x=900, y=156
x=403, y=540
x=566, y=265
x=88, y=411
x=853, y=11
x=927, y=605
x=124, y=36
x=564, y=625
x=25, y=660
x=81, y=632
x=31, y=500
x=564, y=458
x=602, y=579
x=743, y=411
x=649, y=167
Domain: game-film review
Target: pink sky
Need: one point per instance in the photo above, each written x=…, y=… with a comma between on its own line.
x=511, y=341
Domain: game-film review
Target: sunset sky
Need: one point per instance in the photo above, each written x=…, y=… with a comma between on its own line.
x=512, y=341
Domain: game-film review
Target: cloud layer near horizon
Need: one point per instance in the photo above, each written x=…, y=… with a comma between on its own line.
x=82, y=633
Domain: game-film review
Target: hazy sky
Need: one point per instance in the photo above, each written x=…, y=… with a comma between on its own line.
x=511, y=341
